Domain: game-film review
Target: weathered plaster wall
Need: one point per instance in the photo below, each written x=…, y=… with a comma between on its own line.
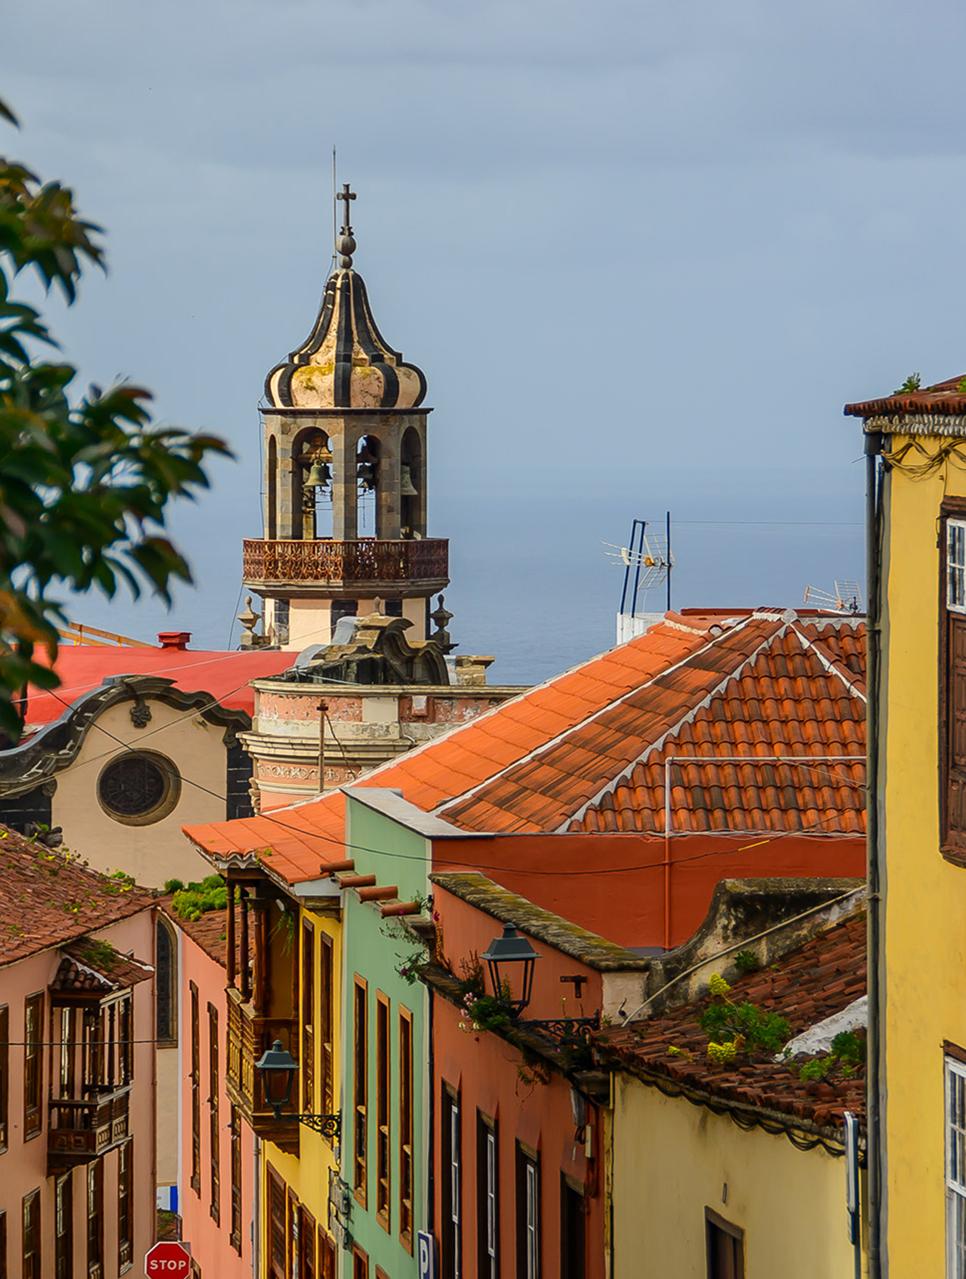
x=158, y=851
x=672, y=1160
x=23, y=1165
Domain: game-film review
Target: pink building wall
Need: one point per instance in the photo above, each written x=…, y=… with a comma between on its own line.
x=211, y=1246
x=23, y=1166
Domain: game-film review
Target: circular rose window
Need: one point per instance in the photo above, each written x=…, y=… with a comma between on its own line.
x=138, y=787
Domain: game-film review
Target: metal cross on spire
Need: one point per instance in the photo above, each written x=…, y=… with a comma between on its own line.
x=345, y=245
x=346, y=195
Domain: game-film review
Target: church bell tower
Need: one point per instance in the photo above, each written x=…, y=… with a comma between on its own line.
x=345, y=476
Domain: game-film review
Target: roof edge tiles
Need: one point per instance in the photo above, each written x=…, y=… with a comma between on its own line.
x=510, y=908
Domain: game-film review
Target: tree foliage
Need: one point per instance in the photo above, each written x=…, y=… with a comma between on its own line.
x=85, y=479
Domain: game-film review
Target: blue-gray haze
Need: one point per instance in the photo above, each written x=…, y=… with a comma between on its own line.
x=643, y=251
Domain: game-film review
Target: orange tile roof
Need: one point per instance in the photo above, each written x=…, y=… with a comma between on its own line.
x=576, y=752
x=807, y=986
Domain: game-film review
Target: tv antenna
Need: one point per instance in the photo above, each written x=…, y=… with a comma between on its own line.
x=846, y=598
x=647, y=561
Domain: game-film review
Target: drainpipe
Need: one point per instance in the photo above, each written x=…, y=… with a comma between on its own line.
x=256, y=1205
x=874, y=855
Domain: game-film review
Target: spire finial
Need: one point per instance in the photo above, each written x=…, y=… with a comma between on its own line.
x=345, y=244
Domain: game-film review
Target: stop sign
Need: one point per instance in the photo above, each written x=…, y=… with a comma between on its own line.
x=168, y=1261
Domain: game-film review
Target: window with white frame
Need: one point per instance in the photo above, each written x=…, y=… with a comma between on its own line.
x=955, y=1169
x=956, y=565
x=454, y=1174
x=491, y=1200
x=533, y=1224
x=487, y=1227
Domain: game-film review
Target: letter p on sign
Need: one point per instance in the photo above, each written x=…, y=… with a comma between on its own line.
x=168, y=1260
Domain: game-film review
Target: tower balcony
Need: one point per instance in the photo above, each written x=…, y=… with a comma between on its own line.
x=366, y=567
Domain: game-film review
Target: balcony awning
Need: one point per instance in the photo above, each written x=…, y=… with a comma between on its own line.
x=93, y=967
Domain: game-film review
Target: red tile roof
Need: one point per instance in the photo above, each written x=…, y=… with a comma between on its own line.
x=225, y=675
x=586, y=751
x=48, y=897
x=807, y=986
x=943, y=398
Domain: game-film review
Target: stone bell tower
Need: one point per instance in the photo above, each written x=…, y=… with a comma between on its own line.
x=345, y=476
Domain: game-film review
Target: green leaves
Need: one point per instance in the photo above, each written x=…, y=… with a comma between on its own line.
x=85, y=480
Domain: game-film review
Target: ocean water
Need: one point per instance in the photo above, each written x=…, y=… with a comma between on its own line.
x=533, y=581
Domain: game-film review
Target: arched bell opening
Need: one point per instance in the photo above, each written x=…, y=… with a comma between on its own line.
x=412, y=485
x=271, y=521
x=368, y=461
x=312, y=483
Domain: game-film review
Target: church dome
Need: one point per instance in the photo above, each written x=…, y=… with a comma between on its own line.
x=345, y=363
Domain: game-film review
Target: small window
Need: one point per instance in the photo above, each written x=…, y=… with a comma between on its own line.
x=64, y=1227
x=725, y=1247
x=956, y=565
x=328, y=1255
x=195, y=1091
x=4, y=1076
x=306, y=1269
x=573, y=1230
x=487, y=1199
x=277, y=1227
x=125, y=1205
x=33, y=1064
x=360, y=1090
x=360, y=1264
x=307, y=1058
x=528, y=1214
x=214, y=1126
x=383, y=1149
x=166, y=983
x=406, y=1129
x=95, y=1219
x=31, y=1235
x=325, y=1024
x=955, y=1169
x=451, y=1225
x=236, y=1180
x=138, y=787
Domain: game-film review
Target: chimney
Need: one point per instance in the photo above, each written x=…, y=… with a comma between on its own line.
x=174, y=639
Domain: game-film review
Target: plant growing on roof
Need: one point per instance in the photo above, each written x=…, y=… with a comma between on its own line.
x=746, y=961
x=845, y=1058
x=912, y=383
x=738, y=1027
x=191, y=901
x=486, y=1012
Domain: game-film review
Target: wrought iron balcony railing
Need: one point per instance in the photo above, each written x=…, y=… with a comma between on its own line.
x=367, y=562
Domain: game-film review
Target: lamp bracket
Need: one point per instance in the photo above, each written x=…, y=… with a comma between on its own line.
x=329, y=1126
x=563, y=1028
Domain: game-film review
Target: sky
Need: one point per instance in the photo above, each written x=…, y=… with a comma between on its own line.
x=643, y=252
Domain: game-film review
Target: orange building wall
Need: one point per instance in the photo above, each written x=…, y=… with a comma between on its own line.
x=615, y=885
x=492, y=1077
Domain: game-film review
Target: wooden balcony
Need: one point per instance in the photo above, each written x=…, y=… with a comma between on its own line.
x=367, y=566
x=248, y=1037
x=79, y=1130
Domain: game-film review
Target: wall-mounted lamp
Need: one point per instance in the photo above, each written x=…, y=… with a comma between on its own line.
x=278, y=1068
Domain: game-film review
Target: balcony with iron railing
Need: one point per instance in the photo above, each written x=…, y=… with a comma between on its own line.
x=79, y=1130
x=368, y=565
x=248, y=1037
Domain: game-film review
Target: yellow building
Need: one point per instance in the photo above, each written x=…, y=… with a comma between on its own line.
x=736, y=1166
x=916, y=445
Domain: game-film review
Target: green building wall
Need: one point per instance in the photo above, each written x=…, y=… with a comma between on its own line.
x=375, y=950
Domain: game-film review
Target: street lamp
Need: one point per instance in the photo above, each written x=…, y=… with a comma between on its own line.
x=510, y=960
x=277, y=1067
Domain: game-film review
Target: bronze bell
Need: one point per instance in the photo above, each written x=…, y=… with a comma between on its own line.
x=318, y=477
x=406, y=486
x=366, y=471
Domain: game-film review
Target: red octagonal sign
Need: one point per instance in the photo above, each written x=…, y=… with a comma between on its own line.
x=168, y=1261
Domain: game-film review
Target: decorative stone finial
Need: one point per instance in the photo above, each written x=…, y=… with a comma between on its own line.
x=441, y=617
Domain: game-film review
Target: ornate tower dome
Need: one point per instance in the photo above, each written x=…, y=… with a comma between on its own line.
x=345, y=363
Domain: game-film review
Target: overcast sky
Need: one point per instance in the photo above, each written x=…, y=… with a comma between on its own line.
x=643, y=252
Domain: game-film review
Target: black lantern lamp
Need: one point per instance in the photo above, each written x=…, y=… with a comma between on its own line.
x=277, y=1068
x=510, y=959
